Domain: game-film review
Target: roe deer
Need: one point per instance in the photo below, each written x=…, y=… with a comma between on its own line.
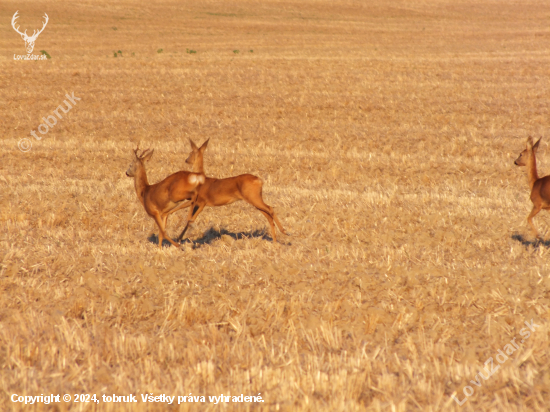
x=540, y=188
x=165, y=197
x=220, y=192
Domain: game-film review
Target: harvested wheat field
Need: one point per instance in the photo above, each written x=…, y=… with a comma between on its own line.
x=385, y=135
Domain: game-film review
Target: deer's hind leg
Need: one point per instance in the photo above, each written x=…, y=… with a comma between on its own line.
x=276, y=219
x=267, y=211
x=270, y=220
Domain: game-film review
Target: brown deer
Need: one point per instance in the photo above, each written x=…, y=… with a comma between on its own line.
x=220, y=192
x=165, y=197
x=540, y=187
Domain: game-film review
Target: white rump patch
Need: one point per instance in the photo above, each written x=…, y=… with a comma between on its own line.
x=196, y=179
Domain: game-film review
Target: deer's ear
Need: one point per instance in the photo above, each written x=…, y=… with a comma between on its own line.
x=529, y=143
x=536, y=145
x=148, y=156
x=193, y=145
x=203, y=147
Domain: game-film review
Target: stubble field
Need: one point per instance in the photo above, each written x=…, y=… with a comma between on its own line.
x=385, y=135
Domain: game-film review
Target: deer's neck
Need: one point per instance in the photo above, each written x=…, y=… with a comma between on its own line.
x=532, y=174
x=141, y=183
x=198, y=165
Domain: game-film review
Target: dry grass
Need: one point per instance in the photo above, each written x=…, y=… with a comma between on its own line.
x=385, y=135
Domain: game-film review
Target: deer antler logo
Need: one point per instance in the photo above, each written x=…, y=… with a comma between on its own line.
x=29, y=41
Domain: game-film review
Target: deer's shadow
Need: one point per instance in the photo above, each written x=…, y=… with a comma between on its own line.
x=535, y=243
x=211, y=235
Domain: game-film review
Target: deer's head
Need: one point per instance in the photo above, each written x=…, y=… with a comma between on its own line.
x=29, y=40
x=196, y=155
x=139, y=161
x=524, y=156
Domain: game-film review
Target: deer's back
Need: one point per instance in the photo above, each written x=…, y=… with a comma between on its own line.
x=219, y=192
x=175, y=188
